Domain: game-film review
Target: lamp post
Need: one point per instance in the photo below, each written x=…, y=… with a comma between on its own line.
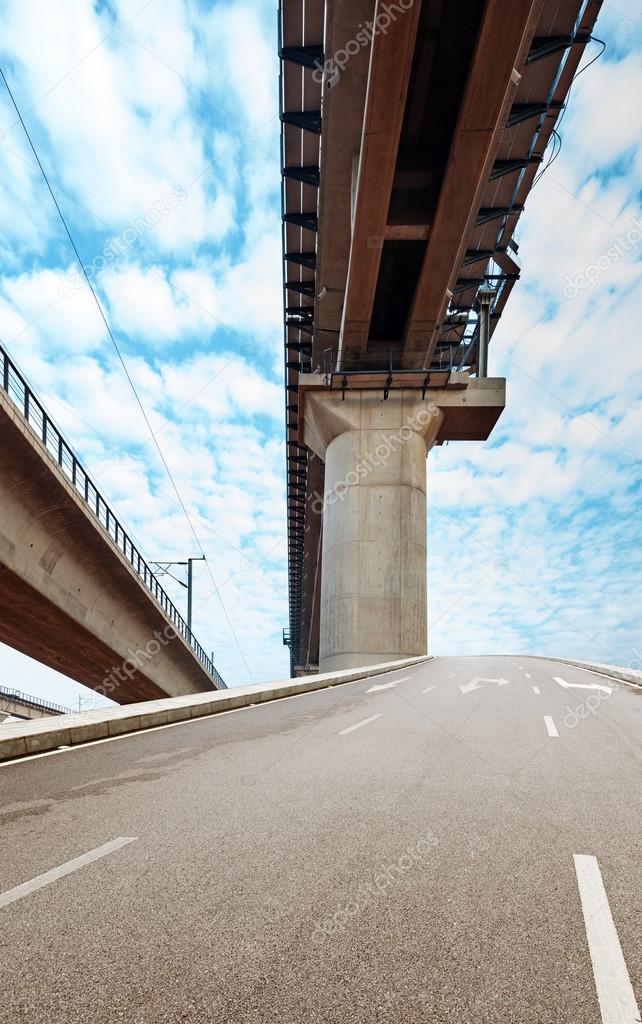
x=485, y=296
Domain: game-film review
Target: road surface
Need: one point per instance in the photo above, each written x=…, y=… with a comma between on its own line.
x=421, y=846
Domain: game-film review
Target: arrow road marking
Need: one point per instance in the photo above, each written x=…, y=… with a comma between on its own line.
x=583, y=686
x=474, y=683
x=612, y=982
x=387, y=686
x=469, y=687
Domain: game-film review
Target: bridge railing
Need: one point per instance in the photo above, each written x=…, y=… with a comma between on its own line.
x=30, y=701
x=16, y=387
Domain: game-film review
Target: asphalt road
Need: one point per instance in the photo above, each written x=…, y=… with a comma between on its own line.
x=407, y=854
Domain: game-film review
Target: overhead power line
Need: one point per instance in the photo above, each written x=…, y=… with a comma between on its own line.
x=124, y=366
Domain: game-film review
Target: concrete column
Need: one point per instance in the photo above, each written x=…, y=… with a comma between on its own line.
x=373, y=582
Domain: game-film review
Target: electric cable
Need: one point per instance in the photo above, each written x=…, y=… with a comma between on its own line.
x=124, y=365
x=555, y=132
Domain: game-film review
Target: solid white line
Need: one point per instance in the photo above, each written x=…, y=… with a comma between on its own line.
x=366, y=721
x=536, y=689
x=550, y=726
x=583, y=686
x=64, y=869
x=168, y=725
x=428, y=689
x=614, y=989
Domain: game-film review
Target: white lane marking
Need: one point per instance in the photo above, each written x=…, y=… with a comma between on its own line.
x=551, y=728
x=366, y=721
x=536, y=689
x=583, y=686
x=11, y=895
x=528, y=675
x=612, y=982
x=387, y=686
x=474, y=683
x=428, y=689
x=158, y=728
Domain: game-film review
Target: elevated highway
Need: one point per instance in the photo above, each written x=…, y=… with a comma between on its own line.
x=412, y=134
x=17, y=704
x=75, y=592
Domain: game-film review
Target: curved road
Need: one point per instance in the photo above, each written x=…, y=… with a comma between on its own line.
x=420, y=846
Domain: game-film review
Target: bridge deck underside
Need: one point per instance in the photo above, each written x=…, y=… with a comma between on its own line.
x=404, y=176
x=34, y=625
x=68, y=597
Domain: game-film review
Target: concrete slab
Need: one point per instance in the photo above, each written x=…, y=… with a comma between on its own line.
x=12, y=746
x=42, y=741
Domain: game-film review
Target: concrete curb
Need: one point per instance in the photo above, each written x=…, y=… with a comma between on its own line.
x=625, y=675
x=19, y=739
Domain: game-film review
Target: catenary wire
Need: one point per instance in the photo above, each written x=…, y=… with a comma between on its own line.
x=124, y=365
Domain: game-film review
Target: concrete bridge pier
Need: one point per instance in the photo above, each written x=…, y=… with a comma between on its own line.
x=373, y=592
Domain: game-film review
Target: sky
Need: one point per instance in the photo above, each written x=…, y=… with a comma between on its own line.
x=158, y=126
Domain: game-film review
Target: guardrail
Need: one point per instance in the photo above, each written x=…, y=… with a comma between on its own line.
x=33, y=702
x=16, y=387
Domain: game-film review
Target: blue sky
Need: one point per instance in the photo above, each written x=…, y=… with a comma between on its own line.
x=172, y=107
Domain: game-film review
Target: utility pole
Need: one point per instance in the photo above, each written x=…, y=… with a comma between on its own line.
x=201, y=558
x=164, y=571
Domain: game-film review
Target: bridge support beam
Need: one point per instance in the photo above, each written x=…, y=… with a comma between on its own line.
x=373, y=581
x=373, y=551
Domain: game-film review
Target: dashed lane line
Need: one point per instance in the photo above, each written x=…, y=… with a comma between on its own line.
x=359, y=725
x=551, y=728
x=17, y=893
x=614, y=990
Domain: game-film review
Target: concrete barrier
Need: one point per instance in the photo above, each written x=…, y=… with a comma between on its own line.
x=22, y=738
x=625, y=675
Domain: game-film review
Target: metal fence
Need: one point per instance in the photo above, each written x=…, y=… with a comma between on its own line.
x=23, y=397
x=33, y=702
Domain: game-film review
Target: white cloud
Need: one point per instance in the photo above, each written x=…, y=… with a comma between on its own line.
x=533, y=539
x=43, y=309
x=243, y=298
x=106, y=75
